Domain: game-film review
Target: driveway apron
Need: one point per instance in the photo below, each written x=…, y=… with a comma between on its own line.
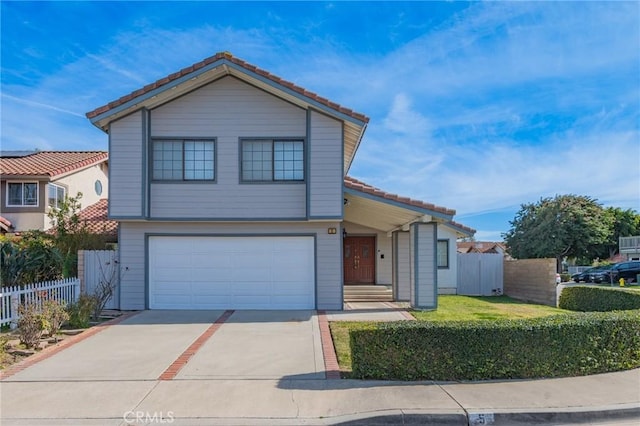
x=139, y=348
x=261, y=345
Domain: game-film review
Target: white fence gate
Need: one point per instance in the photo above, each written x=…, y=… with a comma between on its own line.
x=11, y=298
x=97, y=267
x=480, y=274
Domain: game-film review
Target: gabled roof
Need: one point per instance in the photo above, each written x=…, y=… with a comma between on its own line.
x=50, y=163
x=219, y=66
x=95, y=219
x=481, y=247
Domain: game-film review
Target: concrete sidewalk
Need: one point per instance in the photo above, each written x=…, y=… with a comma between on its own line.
x=267, y=368
x=612, y=397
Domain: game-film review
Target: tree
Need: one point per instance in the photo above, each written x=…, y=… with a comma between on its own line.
x=564, y=226
x=71, y=234
x=622, y=223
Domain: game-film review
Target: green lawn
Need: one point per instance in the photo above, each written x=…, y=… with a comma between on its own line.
x=450, y=308
x=469, y=308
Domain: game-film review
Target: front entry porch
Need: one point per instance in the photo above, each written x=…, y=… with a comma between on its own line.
x=368, y=293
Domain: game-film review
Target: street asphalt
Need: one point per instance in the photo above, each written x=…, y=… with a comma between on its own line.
x=267, y=368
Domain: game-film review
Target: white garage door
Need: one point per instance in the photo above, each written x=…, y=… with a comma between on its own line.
x=231, y=273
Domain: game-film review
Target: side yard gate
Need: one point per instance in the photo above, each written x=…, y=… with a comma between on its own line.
x=480, y=274
x=95, y=267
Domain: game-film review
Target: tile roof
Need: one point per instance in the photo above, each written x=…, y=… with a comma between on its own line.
x=50, y=163
x=352, y=183
x=462, y=227
x=94, y=217
x=232, y=59
x=480, y=247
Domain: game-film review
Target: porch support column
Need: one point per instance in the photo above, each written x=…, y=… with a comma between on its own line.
x=424, y=269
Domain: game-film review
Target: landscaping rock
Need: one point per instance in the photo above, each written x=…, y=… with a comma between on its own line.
x=21, y=352
x=72, y=332
x=43, y=344
x=12, y=343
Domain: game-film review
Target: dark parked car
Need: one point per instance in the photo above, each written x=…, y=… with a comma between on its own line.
x=627, y=270
x=584, y=275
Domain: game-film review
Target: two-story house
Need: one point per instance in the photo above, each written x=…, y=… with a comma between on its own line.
x=230, y=187
x=33, y=182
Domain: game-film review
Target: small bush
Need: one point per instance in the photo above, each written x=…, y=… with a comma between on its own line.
x=55, y=314
x=80, y=312
x=31, y=324
x=565, y=277
x=557, y=346
x=598, y=299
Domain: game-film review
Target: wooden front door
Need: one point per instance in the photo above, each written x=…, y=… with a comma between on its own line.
x=359, y=260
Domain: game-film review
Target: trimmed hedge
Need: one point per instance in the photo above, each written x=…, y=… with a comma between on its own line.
x=598, y=299
x=558, y=346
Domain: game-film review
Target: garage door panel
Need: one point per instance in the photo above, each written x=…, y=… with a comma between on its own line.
x=231, y=273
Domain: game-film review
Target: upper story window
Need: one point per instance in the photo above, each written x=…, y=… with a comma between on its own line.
x=22, y=194
x=442, y=253
x=56, y=195
x=272, y=160
x=184, y=160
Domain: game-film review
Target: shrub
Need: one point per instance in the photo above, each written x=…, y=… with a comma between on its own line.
x=566, y=345
x=600, y=299
x=31, y=324
x=565, y=277
x=80, y=312
x=55, y=314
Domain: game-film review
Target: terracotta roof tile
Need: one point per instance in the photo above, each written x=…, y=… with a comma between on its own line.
x=366, y=188
x=228, y=57
x=96, y=220
x=50, y=163
x=463, y=227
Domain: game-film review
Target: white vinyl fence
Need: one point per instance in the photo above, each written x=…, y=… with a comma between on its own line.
x=480, y=274
x=98, y=267
x=11, y=298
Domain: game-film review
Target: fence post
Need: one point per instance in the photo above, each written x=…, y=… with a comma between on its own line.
x=15, y=302
x=77, y=288
x=83, y=286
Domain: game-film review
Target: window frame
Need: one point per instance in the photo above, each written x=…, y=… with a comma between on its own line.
x=272, y=142
x=446, y=252
x=182, y=140
x=22, y=183
x=64, y=194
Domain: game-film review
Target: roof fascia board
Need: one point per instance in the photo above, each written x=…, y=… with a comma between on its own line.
x=330, y=111
x=143, y=97
x=394, y=203
x=227, y=65
x=459, y=230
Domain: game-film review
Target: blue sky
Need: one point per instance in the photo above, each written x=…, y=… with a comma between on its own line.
x=478, y=107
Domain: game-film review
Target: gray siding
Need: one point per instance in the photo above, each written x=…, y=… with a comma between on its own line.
x=325, y=171
x=228, y=110
x=125, y=166
x=402, y=261
x=133, y=254
x=424, y=275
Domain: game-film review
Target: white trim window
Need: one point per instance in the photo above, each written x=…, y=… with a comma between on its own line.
x=56, y=195
x=184, y=160
x=442, y=254
x=22, y=194
x=272, y=160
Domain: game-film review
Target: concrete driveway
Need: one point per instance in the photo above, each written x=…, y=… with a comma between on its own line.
x=249, y=344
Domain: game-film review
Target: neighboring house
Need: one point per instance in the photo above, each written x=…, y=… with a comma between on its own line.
x=31, y=183
x=231, y=193
x=629, y=247
x=96, y=221
x=483, y=247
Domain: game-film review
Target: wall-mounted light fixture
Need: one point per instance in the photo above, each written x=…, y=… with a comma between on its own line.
x=346, y=202
x=344, y=233
x=331, y=230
